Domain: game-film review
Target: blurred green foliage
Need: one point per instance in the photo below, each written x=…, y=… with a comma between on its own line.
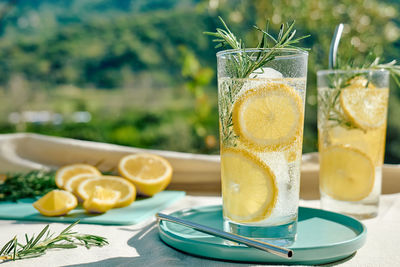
x=147, y=74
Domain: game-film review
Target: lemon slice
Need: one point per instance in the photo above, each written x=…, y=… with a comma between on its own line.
x=248, y=186
x=364, y=105
x=65, y=173
x=346, y=173
x=150, y=173
x=73, y=183
x=268, y=117
x=56, y=203
x=359, y=82
x=101, y=200
x=126, y=189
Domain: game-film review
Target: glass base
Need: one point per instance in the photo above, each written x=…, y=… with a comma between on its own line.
x=280, y=235
x=357, y=209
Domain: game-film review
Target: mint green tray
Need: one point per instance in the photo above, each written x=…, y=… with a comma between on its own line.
x=138, y=211
x=323, y=237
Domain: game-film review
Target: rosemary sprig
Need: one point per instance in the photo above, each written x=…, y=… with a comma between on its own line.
x=391, y=66
x=330, y=101
x=246, y=63
x=35, y=247
x=26, y=185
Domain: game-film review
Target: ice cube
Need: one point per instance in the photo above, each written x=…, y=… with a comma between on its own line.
x=269, y=73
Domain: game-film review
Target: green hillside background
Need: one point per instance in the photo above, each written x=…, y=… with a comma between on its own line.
x=141, y=73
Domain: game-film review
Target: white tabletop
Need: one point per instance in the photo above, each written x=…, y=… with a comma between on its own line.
x=139, y=245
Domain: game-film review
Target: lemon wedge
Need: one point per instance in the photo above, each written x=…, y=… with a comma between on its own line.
x=150, y=173
x=56, y=203
x=346, y=173
x=268, y=117
x=67, y=172
x=127, y=189
x=249, y=188
x=101, y=200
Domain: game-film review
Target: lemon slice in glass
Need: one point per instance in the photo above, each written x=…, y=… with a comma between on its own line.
x=346, y=173
x=248, y=186
x=268, y=117
x=363, y=104
x=56, y=203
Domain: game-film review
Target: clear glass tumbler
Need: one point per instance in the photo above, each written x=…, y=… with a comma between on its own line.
x=261, y=112
x=352, y=110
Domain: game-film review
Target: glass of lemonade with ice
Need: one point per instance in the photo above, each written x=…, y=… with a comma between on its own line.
x=352, y=108
x=261, y=132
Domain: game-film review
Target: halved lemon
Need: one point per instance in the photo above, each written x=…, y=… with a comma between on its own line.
x=56, y=203
x=249, y=188
x=150, y=173
x=364, y=104
x=346, y=173
x=126, y=189
x=101, y=200
x=67, y=172
x=268, y=117
x=73, y=183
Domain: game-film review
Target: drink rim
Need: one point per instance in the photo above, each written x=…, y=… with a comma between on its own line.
x=291, y=52
x=343, y=71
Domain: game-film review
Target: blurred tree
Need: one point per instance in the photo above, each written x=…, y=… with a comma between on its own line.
x=205, y=125
x=150, y=45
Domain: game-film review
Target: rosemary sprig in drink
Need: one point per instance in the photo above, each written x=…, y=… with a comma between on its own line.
x=330, y=101
x=35, y=247
x=247, y=62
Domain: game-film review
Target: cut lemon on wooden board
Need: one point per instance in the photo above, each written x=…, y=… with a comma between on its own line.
x=268, y=117
x=150, y=173
x=56, y=203
x=101, y=200
x=126, y=189
x=67, y=172
x=248, y=185
x=346, y=173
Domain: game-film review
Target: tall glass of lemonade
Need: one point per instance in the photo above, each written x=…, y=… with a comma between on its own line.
x=261, y=132
x=352, y=108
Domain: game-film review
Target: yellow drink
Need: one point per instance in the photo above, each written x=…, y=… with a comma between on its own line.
x=351, y=133
x=261, y=133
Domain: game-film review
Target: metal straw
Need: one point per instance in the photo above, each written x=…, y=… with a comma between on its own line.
x=334, y=45
x=276, y=250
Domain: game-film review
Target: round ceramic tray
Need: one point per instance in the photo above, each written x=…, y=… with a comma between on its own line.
x=322, y=237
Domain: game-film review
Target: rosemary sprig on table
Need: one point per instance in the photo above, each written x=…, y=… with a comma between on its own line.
x=241, y=65
x=35, y=247
x=26, y=185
